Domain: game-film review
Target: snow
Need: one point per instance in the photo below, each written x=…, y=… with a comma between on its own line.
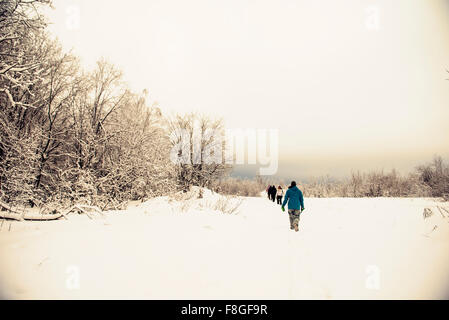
x=183, y=248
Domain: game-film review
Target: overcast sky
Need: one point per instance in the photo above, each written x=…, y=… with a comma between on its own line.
x=350, y=84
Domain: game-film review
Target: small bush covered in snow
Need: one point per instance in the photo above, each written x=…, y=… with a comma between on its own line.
x=199, y=199
x=240, y=187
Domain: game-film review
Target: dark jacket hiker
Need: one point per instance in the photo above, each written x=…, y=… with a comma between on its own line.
x=273, y=192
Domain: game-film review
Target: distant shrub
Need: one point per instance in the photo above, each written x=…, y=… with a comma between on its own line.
x=240, y=187
x=435, y=175
x=371, y=184
x=204, y=199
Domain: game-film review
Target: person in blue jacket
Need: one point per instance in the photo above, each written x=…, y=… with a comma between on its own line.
x=295, y=201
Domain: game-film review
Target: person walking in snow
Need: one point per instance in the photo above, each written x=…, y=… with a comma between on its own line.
x=280, y=194
x=273, y=193
x=295, y=201
x=268, y=190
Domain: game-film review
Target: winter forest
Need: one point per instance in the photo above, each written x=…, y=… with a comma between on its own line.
x=70, y=136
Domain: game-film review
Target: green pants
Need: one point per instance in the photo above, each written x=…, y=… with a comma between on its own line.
x=294, y=216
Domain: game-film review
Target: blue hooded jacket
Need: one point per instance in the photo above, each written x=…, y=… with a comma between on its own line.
x=294, y=198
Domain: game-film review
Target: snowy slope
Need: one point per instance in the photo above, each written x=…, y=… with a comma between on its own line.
x=164, y=249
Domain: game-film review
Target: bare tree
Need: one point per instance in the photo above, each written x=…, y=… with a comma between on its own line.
x=21, y=64
x=202, y=138
x=21, y=27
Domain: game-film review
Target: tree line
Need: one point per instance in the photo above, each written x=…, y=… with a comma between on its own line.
x=427, y=180
x=71, y=136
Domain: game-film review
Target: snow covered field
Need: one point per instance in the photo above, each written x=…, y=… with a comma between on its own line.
x=346, y=249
